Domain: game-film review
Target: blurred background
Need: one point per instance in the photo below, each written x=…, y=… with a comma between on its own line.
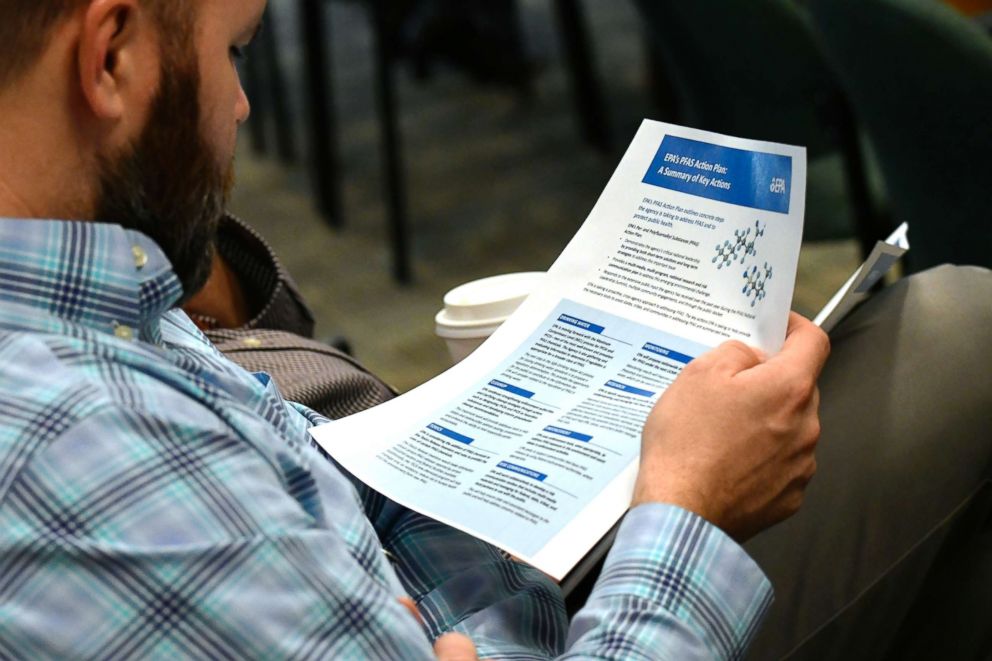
x=399, y=148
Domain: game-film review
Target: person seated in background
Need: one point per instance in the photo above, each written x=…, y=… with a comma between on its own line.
x=251, y=309
x=158, y=500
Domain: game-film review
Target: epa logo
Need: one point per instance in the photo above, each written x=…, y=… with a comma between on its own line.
x=778, y=185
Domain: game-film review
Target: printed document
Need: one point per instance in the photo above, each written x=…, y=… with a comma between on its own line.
x=531, y=443
x=883, y=257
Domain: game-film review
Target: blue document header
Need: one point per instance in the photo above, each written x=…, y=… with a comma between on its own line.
x=668, y=353
x=522, y=470
x=737, y=176
x=453, y=435
x=616, y=385
x=568, y=433
x=512, y=389
x=572, y=321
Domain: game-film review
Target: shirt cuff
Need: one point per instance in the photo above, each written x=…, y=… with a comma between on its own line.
x=691, y=569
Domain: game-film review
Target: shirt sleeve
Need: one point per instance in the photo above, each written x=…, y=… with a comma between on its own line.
x=673, y=587
x=460, y=583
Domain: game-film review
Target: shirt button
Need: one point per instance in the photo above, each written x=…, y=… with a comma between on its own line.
x=252, y=342
x=123, y=332
x=140, y=257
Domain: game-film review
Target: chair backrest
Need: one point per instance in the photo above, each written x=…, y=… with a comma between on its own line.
x=920, y=78
x=745, y=67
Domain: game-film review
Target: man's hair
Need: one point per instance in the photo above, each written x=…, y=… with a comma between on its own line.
x=27, y=25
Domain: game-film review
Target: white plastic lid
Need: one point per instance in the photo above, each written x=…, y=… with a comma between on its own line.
x=486, y=302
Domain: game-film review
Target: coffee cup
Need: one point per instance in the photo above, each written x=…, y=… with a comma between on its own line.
x=473, y=311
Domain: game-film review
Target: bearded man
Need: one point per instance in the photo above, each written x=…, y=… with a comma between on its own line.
x=156, y=500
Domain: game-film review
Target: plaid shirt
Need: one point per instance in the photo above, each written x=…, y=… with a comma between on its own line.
x=158, y=501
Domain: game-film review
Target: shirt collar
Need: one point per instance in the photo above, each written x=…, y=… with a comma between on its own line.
x=101, y=276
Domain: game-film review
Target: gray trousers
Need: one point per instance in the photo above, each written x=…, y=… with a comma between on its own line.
x=891, y=553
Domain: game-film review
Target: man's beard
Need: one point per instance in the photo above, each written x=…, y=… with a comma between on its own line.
x=167, y=184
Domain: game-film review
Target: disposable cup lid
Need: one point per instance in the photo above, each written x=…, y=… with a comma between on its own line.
x=487, y=301
x=465, y=332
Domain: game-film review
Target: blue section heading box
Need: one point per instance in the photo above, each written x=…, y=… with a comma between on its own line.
x=572, y=321
x=737, y=176
x=521, y=470
x=616, y=385
x=668, y=353
x=453, y=435
x=568, y=433
x=511, y=389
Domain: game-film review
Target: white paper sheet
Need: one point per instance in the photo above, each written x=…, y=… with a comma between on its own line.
x=883, y=257
x=532, y=442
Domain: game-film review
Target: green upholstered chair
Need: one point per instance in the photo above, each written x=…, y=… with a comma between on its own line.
x=751, y=68
x=919, y=76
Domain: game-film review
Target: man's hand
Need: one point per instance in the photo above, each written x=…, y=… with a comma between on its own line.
x=455, y=647
x=450, y=646
x=733, y=438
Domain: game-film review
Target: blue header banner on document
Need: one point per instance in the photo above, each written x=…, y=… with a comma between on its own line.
x=453, y=435
x=668, y=353
x=513, y=389
x=747, y=178
x=568, y=433
x=522, y=470
x=565, y=319
x=616, y=385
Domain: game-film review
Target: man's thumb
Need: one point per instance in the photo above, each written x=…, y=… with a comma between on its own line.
x=455, y=647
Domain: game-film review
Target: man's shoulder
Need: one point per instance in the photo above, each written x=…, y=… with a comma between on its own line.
x=54, y=384
x=45, y=361
x=46, y=369
x=83, y=417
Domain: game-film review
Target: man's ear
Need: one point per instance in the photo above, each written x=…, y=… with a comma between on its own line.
x=115, y=53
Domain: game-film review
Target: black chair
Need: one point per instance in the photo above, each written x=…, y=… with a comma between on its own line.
x=389, y=46
x=751, y=68
x=920, y=77
x=265, y=84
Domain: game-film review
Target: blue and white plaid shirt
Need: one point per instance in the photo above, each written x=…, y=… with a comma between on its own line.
x=158, y=501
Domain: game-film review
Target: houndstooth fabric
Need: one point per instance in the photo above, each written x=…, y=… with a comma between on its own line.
x=278, y=338
x=306, y=371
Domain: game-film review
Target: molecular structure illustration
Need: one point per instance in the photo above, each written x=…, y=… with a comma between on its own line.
x=754, y=282
x=741, y=248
